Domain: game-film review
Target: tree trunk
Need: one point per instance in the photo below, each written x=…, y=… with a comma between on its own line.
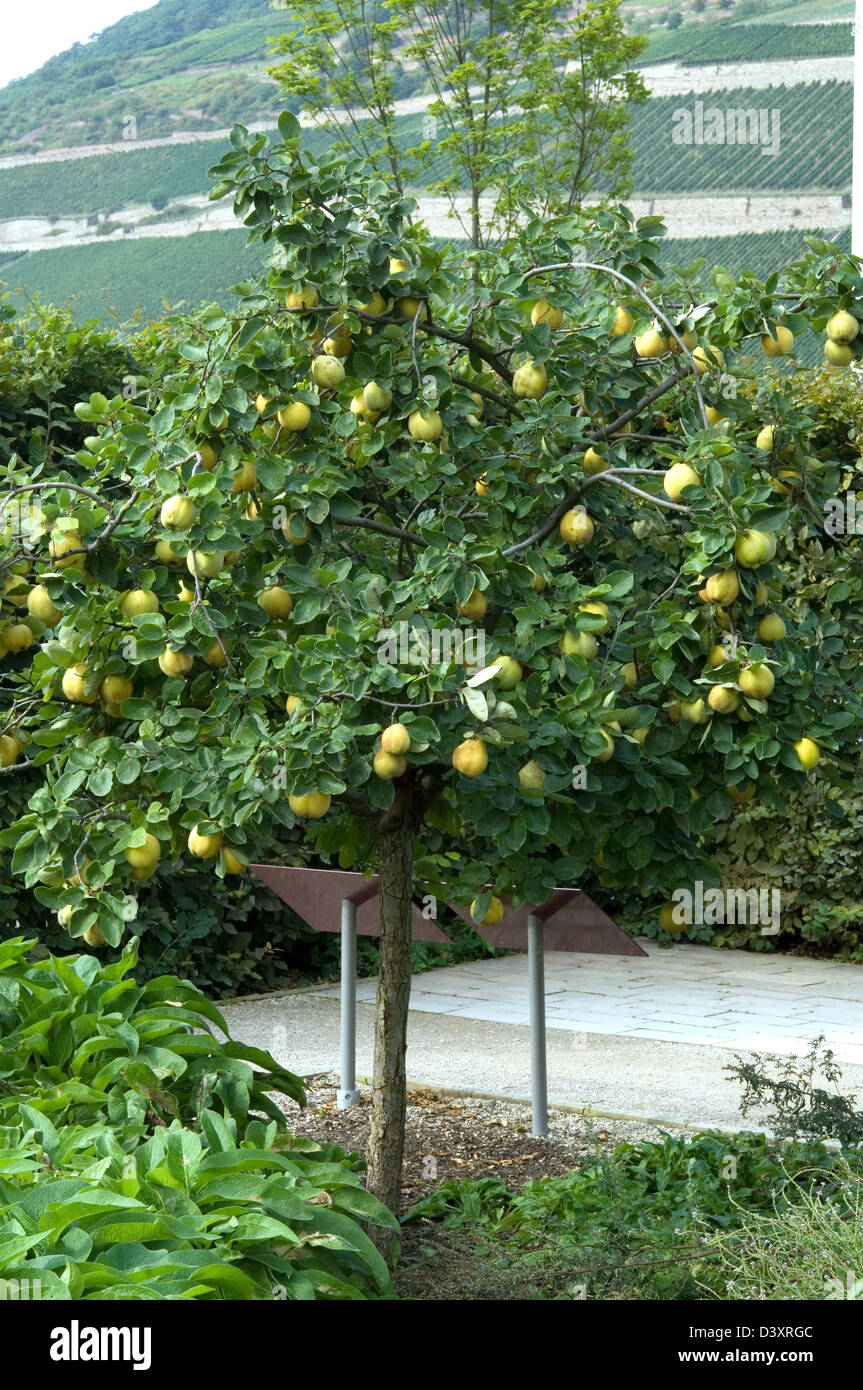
x=389, y=1097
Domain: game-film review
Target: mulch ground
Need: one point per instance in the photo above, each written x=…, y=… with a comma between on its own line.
x=450, y=1137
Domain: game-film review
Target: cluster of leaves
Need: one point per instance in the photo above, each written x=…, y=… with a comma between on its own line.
x=48, y=362
x=809, y=851
x=642, y=1221
x=134, y=1162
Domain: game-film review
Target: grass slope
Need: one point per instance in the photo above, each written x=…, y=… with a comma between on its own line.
x=120, y=278
x=755, y=43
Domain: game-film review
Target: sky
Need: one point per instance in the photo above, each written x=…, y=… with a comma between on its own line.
x=34, y=31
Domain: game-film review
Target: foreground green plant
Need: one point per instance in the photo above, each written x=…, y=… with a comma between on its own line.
x=133, y=1160
x=641, y=1222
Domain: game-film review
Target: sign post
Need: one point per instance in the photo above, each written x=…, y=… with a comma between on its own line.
x=538, y=1067
x=349, y=1095
x=313, y=894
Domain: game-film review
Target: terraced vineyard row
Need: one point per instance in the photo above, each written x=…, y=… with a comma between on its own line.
x=811, y=137
x=123, y=276
x=756, y=43
x=758, y=252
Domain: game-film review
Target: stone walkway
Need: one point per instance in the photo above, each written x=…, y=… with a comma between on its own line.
x=626, y=1035
x=688, y=994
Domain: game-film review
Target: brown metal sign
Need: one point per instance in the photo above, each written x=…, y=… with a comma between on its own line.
x=572, y=921
x=316, y=895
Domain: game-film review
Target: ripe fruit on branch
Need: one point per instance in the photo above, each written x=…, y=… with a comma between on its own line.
x=713, y=415
x=531, y=777
x=327, y=372
x=204, y=846
x=757, y=681
x=651, y=344
x=581, y=644
x=305, y=298
x=289, y=533
x=311, y=806
x=808, y=752
x=779, y=345
x=530, y=381
x=470, y=758
x=145, y=855
x=245, y=479
x=174, y=663
x=389, y=765
x=40, y=605
x=412, y=308
x=233, y=864
x=843, y=327
x=166, y=555
x=678, y=477
x=205, y=563
x=722, y=588
x=492, y=917
x=178, y=513
x=275, y=601
x=694, y=711
x=60, y=549
x=576, y=527
x=771, y=628
x=509, y=672
x=473, y=607
x=115, y=689
x=723, y=699
x=593, y=462
x=707, y=359
x=838, y=354
x=138, y=601
x=622, y=322
x=629, y=671
x=375, y=305
x=76, y=685
x=543, y=312
x=16, y=637
x=376, y=397
x=217, y=654
x=598, y=610
x=395, y=739
x=754, y=548
x=608, y=750
x=426, y=428
x=294, y=417
x=764, y=439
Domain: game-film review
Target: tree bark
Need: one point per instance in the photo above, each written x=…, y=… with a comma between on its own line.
x=389, y=1092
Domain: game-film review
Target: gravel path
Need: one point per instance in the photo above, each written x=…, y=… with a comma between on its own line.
x=674, y=1082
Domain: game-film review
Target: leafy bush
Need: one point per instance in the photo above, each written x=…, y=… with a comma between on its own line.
x=801, y=1108
x=133, y=1164
x=810, y=851
x=642, y=1221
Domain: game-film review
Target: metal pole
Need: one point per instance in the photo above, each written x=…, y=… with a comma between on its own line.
x=536, y=985
x=349, y=1096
